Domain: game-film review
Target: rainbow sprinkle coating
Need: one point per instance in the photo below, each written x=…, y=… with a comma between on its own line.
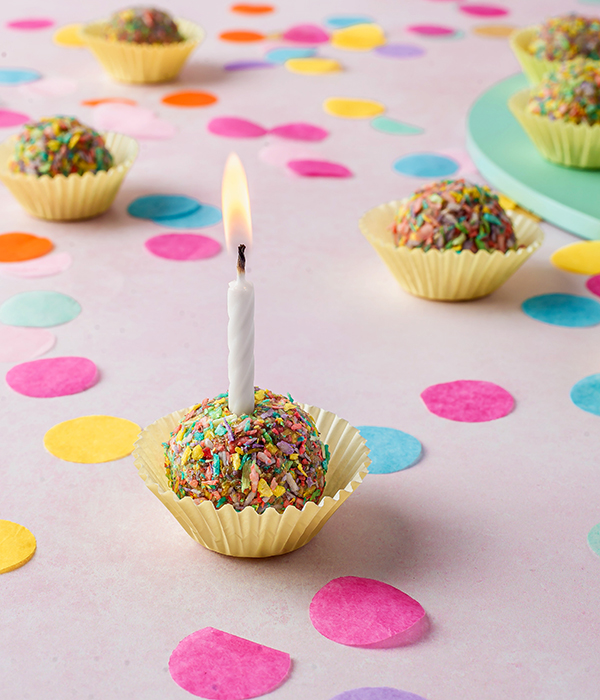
x=273, y=458
x=567, y=37
x=570, y=92
x=59, y=146
x=143, y=25
x=453, y=215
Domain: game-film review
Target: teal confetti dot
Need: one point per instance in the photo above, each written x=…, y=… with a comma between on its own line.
x=162, y=206
x=593, y=539
x=205, y=215
x=393, y=126
x=280, y=56
x=429, y=165
x=586, y=394
x=566, y=310
x=39, y=309
x=343, y=21
x=391, y=450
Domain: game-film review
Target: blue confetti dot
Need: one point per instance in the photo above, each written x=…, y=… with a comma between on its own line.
x=566, y=310
x=18, y=76
x=284, y=54
x=425, y=165
x=586, y=394
x=593, y=539
x=391, y=450
x=343, y=21
x=205, y=215
x=162, y=206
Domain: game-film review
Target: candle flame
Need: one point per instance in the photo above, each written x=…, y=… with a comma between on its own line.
x=236, y=204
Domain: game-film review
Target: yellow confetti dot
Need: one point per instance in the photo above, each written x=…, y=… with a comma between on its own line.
x=350, y=108
x=313, y=66
x=494, y=31
x=69, y=36
x=17, y=546
x=582, y=258
x=360, y=37
x=92, y=439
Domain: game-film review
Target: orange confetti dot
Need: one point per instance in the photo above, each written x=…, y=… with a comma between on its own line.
x=495, y=31
x=189, y=98
x=252, y=9
x=241, y=36
x=104, y=100
x=16, y=247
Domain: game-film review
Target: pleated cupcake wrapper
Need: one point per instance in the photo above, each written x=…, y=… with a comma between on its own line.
x=572, y=145
x=534, y=68
x=246, y=533
x=142, y=63
x=75, y=196
x=448, y=275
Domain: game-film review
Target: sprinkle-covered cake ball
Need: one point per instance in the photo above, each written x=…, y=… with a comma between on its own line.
x=59, y=146
x=272, y=458
x=570, y=92
x=143, y=25
x=454, y=215
x=567, y=37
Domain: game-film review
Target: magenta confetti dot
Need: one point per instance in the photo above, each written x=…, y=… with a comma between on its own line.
x=300, y=131
x=483, y=10
x=318, y=168
x=306, y=34
x=431, y=30
x=593, y=284
x=400, y=51
x=183, y=246
x=236, y=128
x=31, y=23
x=9, y=118
x=468, y=401
x=55, y=376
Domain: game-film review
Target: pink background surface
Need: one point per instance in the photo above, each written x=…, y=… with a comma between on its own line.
x=488, y=531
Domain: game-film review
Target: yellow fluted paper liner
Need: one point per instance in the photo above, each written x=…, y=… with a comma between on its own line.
x=573, y=145
x=128, y=62
x=447, y=275
x=534, y=68
x=246, y=533
x=72, y=197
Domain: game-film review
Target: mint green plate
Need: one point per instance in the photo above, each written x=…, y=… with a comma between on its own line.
x=504, y=155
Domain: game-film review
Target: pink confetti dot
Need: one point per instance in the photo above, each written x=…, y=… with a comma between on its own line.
x=300, y=131
x=593, y=284
x=318, y=168
x=21, y=344
x=55, y=376
x=30, y=24
x=431, y=30
x=236, y=128
x=9, y=118
x=306, y=34
x=483, y=10
x=468, y=401
x=183, y=246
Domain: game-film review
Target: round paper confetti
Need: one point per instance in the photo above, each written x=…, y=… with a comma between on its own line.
x=429, y=165
x=9, y=118
x=241, y=36
x=162, y=206
x=393, y=126
x=183, y=246
x=593, y=539
x=281, y=55
x=343, y=21
x=586, y=394
x=281, y=152
x=189, y=98
x=382, y=693
x=431, y=30
x=234, y=127
x=400, y=51
x=214, y=664
x=18, y=76
x=49, y=87
x=248, y=65
x=205, y=215
x=494, y=31
x=351, y=108
x=299, y=131
x=391, y=450
x=55, y=376
x=131, y=120
x=18, y=546
x=313, y=66
x=318, y=168
x=483, y=10
x=468, y=401
x=21, y=344
x=363, y=612
x=253, y=9
x=582, y=258
x=566, y=310
x=40, y=267
x=92, y=439
x=15, y=247
x=69, y=36
x=109, y=100
x=39, y=309
x=31, y=23
x=306, y=34
x=359, y=37
x=593, y=284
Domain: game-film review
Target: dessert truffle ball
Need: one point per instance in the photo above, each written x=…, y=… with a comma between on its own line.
x=272, y=458
x=567, y=37
x=143, y=25
x=570, y=92
x=453, y=215
x=59, y=146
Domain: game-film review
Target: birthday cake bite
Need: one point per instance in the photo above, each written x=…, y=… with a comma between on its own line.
x=567, y=37
x=143, y=25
